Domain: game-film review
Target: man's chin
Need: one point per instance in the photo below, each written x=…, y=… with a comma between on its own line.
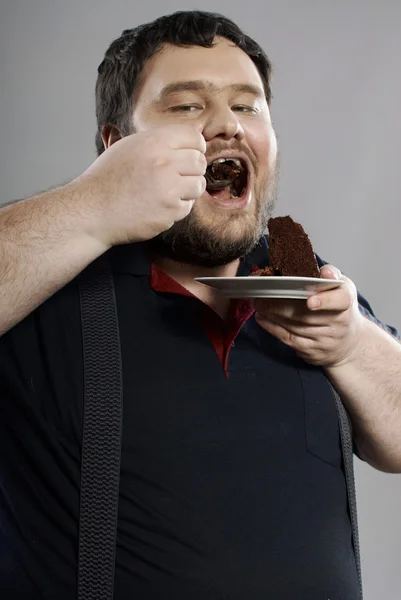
x=200, y=248
x=213, y=236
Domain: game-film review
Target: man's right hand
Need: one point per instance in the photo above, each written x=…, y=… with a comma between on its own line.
x=141, y=185
x=136, y=189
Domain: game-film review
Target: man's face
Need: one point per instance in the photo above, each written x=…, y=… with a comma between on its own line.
x=220, y=93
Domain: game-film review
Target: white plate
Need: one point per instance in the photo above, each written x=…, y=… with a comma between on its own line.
x=269, y=287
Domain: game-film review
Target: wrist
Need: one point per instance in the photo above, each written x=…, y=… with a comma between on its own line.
x=89, y=210
x=357, y=346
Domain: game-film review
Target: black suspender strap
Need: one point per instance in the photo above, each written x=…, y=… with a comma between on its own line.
x=348, y=459
x=102, y=432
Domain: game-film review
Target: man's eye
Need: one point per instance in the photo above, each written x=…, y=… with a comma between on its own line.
x=242, y=108
x=185, y=108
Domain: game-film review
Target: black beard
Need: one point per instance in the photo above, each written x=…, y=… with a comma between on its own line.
x=190, y=241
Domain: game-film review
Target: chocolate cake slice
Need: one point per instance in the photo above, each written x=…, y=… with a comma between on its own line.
x=290, y=250
x=226, y=173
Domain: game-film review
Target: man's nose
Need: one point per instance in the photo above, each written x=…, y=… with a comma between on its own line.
x=224, y=124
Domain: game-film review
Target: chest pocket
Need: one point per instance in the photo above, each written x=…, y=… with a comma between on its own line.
x=322, y=431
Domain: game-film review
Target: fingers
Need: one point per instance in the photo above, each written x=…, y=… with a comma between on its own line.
x=185, y=136
x=337, y=300
x=185, y=209
x=190, y=162
x=287, y=308
x=301, y=317
x=192, y=187
x=330, y=272
x=295, y=337
x=316, y=310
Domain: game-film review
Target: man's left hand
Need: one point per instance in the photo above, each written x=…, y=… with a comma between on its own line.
x=324, y=330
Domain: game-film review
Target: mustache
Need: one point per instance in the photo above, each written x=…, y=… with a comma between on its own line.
x=218, y=146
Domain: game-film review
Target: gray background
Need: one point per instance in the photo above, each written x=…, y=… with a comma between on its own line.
x=337, y=112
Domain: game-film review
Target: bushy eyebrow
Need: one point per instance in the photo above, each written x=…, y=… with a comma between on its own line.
x=207, y=86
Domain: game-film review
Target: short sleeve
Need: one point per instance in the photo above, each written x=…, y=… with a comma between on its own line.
x=366, y=309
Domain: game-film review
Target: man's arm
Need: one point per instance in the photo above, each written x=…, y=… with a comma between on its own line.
x=369, y=383
x=362, y=360
x=139, y=187
x=45, y=241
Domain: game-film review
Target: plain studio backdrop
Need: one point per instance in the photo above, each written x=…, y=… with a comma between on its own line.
x=337, y=113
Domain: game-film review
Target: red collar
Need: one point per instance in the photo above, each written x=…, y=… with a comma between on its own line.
x=221, y=333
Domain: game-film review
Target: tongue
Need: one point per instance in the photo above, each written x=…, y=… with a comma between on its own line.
x=222, y=195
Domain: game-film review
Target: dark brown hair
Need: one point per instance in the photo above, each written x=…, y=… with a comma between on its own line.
x=119, y=72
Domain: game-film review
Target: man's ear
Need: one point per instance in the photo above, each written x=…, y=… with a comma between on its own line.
x=110, y=135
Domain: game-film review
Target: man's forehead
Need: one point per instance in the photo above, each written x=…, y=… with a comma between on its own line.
x=222, y=67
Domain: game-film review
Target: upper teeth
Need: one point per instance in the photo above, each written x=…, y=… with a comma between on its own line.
x=236, y=161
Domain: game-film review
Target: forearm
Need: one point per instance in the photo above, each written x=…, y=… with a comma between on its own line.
x=370, y=386
x=45, y=241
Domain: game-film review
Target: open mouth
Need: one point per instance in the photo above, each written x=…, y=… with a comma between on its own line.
x=227, y=178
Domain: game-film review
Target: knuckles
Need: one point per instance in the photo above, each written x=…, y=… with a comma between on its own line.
x=161, y=162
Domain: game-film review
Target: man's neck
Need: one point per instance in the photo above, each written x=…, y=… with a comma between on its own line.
x=184, y=274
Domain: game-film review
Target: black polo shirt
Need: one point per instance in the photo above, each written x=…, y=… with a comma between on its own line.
x=232, y=483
